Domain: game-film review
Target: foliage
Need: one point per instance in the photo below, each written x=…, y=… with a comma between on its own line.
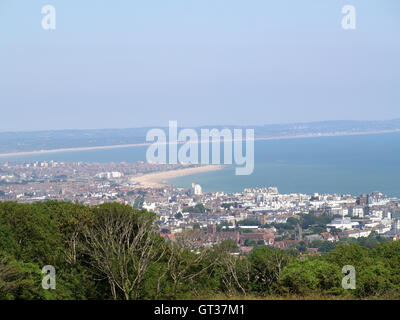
x=114, y=251
x=198, y=208
x=311, y=276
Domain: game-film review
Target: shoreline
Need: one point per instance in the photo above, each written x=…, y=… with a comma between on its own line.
x=121, y=146
x=29, y=153
x=158, y=179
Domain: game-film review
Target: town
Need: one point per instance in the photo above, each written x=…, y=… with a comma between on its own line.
x=251, y=218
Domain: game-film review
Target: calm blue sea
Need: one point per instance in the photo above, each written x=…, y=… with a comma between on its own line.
x=346, y=164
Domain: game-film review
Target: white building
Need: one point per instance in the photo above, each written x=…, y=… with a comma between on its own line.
x=358, y=212
x=196, y=188
x=342, y=224
x=149, y=207
x=357, y=233
x=109, y=175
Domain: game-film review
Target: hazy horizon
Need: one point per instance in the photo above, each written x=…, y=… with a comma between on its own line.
x=114, y=65
x=165, y=125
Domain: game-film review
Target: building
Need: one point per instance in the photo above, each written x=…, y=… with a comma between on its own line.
x=356, y=233
x=196, y=189
x=342, y=224
x=357, y=211
x=266, y=238
x=329, y=237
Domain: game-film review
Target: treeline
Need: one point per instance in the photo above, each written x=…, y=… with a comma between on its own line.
x=113, y=251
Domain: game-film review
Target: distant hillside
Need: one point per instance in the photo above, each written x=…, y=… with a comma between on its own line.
x=48, y=140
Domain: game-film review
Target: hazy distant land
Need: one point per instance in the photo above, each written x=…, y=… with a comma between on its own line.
x=41, y=142
x=117, y=146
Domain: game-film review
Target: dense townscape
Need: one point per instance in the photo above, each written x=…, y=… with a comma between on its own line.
x=255, y=217
x=88, y=183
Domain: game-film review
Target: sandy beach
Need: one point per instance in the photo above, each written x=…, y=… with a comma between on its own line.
x=28, y=153
x=158, y=179
x=310, y=135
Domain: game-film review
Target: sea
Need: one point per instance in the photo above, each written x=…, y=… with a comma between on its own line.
x=352, y=164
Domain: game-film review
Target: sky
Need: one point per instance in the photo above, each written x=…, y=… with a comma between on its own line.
x=127, y=63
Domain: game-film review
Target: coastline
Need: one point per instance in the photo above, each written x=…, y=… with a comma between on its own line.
x=158, y=179
x=120, y=146
x=29, y=153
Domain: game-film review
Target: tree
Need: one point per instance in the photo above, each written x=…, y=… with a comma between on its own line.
x=120, y=246
x=71, y=224
x=350, y=254
x=196, y=226
x=178, y=215
x=374, y=280
x=138, y=203
x=322, y=245
x=183, y=265
x=311, y=276
x=266, y=267
x=20, y=280
x=10, y=279
x=233, y=272
x=198, y=208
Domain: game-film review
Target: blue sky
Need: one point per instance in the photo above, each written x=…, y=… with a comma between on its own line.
x=118, y=64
